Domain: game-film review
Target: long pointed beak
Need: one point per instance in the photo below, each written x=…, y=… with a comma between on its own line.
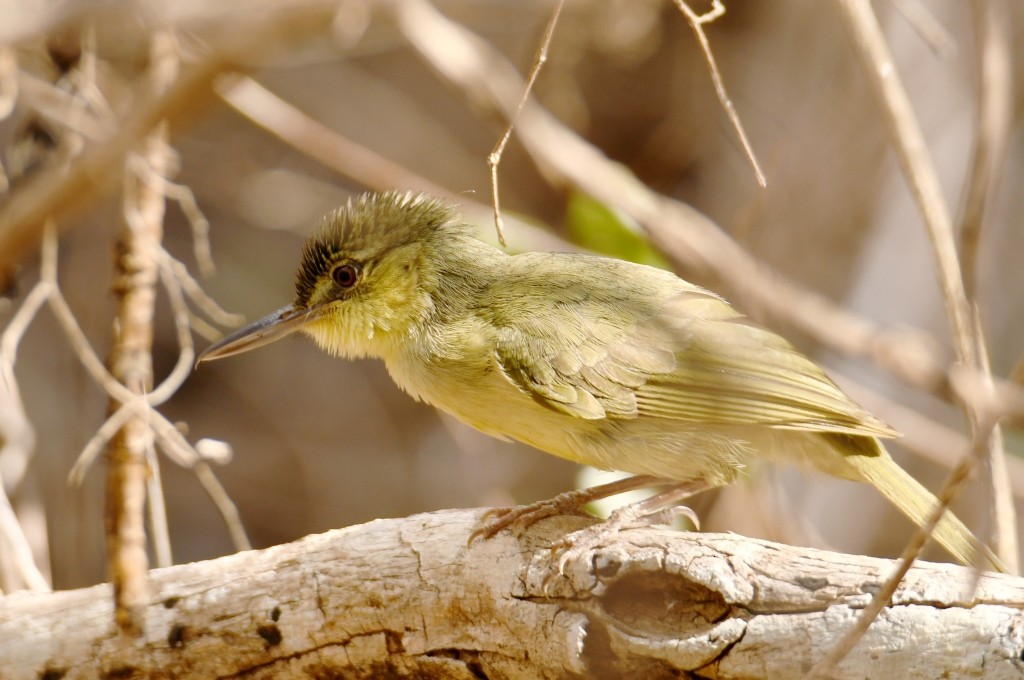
x=273, y=326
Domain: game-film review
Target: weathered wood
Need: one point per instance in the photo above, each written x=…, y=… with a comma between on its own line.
x=407, y=598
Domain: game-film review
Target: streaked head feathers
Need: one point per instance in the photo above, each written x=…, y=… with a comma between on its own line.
x=367, y=227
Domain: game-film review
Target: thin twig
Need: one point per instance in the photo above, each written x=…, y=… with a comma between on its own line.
x=69, y=324
x=697, y=22
x=157, y=511
x=186, y=351
x=316, y=140
x=494, y=159
x=993, y=85
x=173, y=443
x=194, y=291
x=91, y=362
x=18, y=545
x=927, y=26
x=226, y=507
x=918, y=169
x=17, y=326
x=170, y=439
x=1004, y=515
x=86, y=83
x=99, y=440
x=203, y=329
x=18, y=434
x=993, y=88
x=1017, y=372
x=18, y=441
x=201, y=249
x=83, y=349
x=61, y=107
x=351, y=160
x=8, y=82
x=186, y=200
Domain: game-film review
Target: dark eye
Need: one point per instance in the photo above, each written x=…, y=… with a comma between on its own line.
x=346, y=275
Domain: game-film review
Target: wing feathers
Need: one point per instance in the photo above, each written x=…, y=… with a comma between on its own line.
x=688, y=357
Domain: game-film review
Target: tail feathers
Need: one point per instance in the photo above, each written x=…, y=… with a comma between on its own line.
x=917, y=503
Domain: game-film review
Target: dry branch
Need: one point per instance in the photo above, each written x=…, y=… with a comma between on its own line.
x=131, y=360
x=359, y=163
x=697, y=22
x=407, y=598
x=257, y=28
x=494, y=158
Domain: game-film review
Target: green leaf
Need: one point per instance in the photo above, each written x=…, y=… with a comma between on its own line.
x=594, y=226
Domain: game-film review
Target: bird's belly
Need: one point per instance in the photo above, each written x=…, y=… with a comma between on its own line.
x=484, y=399
x=504, y=412
x=640, y=445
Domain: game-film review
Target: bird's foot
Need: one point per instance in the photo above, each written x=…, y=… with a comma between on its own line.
x=663, y=508
x=522, y=517
x=571, y=502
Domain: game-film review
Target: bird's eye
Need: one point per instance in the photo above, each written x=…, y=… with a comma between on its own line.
x=346, y=275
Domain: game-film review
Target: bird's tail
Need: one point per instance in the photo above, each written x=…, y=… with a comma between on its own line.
x=916, y=502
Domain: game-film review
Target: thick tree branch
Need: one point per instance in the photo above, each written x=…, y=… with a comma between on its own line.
x=407, y=598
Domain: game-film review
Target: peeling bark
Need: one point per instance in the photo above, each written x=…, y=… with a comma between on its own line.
x=407, y=598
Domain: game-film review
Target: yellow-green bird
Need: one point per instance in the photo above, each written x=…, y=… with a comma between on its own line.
x=600, y=361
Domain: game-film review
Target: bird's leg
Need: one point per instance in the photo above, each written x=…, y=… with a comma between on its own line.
x=524, y=516
x=642, y=513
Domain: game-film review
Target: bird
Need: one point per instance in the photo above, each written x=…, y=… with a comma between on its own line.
x=600, y=361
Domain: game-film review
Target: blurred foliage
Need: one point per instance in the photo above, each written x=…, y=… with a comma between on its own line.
x=596, y=227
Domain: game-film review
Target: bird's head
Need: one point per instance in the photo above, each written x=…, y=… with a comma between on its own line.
x=366, y=278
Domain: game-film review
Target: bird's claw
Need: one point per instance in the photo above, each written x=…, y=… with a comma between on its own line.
x=579, y=543
x=522, y=517
x=491, y=522
x=666, y=517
